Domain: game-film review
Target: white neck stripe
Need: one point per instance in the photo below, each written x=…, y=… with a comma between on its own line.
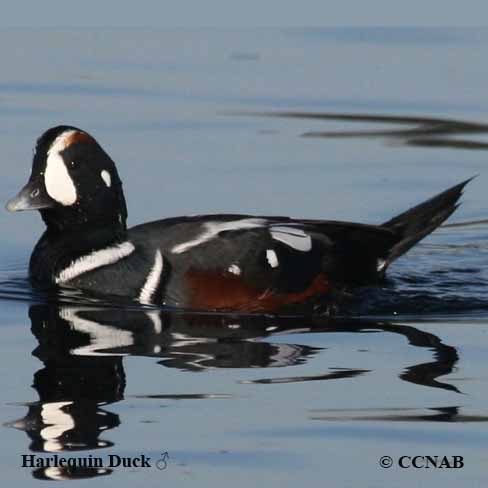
x=153, y=279
x=95, y=260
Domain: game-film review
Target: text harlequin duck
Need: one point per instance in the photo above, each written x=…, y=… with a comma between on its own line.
x=208, y=262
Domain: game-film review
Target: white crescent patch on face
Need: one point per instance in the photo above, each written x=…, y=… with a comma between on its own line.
x=59, y=184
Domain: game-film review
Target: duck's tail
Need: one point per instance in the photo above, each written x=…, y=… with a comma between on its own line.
x=419, y=221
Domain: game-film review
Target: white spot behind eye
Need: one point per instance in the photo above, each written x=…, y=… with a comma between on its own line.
x=106, y=178
x=272, y=258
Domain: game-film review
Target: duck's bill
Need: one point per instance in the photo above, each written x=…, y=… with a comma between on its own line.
x=32, y=197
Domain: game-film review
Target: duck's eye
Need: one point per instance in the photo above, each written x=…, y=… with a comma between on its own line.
x=72, y=164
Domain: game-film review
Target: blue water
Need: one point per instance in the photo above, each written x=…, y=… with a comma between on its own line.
x=186, y=115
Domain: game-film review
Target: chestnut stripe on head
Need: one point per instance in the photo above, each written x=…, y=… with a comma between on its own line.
x=74, y=136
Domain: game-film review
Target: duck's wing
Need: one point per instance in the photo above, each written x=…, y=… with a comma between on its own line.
x=262, y=263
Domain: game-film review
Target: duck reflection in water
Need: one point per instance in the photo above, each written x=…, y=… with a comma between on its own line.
x=82, y=347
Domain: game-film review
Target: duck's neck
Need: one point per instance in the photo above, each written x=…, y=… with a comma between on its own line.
x=78, y=220
x=58, y=248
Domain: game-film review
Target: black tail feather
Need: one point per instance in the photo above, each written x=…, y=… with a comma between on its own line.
x=419, y=221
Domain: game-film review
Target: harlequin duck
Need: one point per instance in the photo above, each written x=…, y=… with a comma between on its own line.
x=207, y=262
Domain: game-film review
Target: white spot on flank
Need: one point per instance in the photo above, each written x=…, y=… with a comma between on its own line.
x=152, y=280
x=95, y=260
x=212, y=229
x=295, y=238
x=234, y=269
x=272, y=258
x=380, y=265
x=106, y=178
x=59, y=185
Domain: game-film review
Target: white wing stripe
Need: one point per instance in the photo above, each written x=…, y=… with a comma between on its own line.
x=212, y=229
x=294, y=238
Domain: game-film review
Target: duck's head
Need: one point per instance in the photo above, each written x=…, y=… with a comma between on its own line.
x=73, y=183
